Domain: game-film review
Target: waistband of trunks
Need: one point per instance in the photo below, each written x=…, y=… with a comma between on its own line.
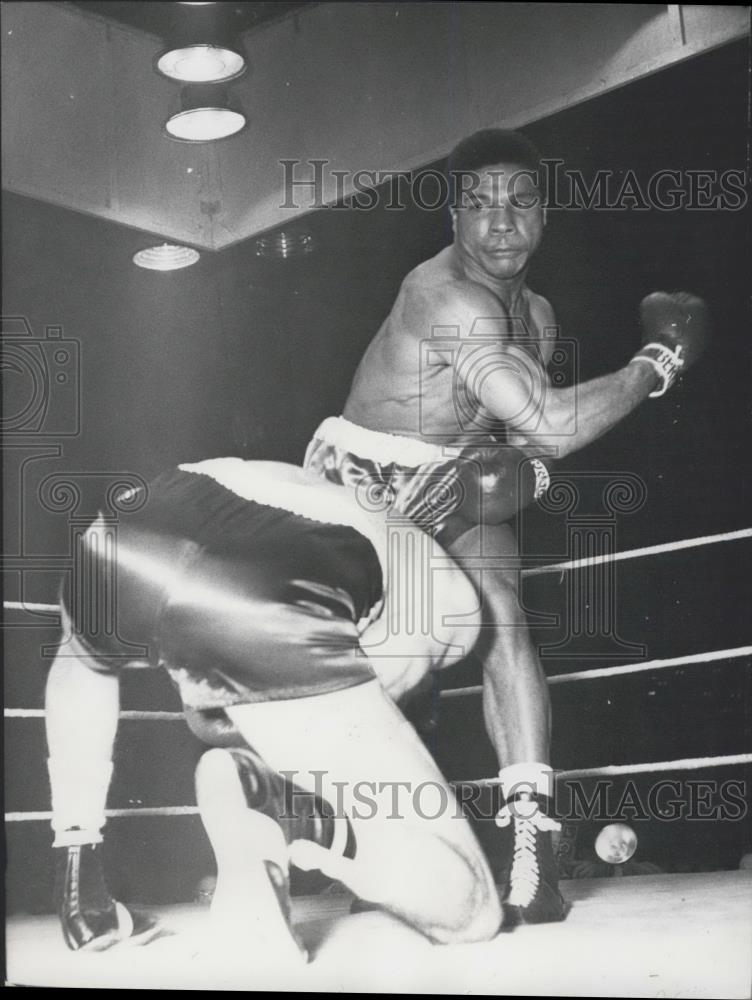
x=381, y=447
x=267, y=484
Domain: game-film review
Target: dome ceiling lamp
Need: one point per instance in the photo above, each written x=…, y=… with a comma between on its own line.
x=206, y=114
x=201, y=46
x=165, y=257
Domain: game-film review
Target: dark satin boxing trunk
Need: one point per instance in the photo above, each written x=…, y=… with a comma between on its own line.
x=240, y=601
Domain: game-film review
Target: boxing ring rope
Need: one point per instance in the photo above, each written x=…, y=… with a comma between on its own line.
x=39, y=713
x=29, y=606
x=27, y=817
x=626, y=668
x=609, y=770
x=612, y=770
x=647, y=550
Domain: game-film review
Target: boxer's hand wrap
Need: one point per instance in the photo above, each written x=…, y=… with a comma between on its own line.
x=675, y=331
x=665, y=362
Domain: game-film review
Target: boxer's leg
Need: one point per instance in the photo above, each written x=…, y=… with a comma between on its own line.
x=517, y=714
x=516, y=703
x=415, y=854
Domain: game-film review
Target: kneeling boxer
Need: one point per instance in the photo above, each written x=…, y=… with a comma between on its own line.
x=258, y=586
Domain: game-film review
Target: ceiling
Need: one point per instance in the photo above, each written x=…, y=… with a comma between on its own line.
x=155, y=18
x=337, y=94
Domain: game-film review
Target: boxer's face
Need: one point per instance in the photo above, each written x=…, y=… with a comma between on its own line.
x=499, y=221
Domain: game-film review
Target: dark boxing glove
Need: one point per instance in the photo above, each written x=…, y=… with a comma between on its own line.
x=675, y=331
x=500, y=481
x=91, y=920
x=493, y=484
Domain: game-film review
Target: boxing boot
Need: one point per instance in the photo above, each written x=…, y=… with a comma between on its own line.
x=529, y=876
x=91, y=920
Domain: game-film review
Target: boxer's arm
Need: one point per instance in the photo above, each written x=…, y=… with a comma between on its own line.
x=420, y=632
x=514, y=388
x=82, y=708
x=557, y=422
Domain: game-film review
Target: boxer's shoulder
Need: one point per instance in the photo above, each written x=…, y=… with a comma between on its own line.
x=420, y=285
x=541, y=311
x=440, y=297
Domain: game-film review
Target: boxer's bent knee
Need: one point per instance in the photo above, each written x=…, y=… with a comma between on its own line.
x=495, y=542
x=499, y=583
x=457, y=610
x=479, y=915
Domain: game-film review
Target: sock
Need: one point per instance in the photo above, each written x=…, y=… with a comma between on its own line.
x=79, y=796
x=532, y=778
x=334, y=860
x=315, y=819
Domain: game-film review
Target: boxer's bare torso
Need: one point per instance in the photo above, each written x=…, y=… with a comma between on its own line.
x=407, y=381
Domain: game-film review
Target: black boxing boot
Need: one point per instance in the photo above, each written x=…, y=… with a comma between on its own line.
x=529, y=876
x=251, y=815
x=90, y=919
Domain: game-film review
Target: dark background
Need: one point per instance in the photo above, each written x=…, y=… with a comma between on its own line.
x=243, y=356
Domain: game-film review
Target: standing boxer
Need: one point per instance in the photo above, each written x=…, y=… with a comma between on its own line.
x=463, y=350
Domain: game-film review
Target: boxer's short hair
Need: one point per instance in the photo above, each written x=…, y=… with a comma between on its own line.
x=486, y=148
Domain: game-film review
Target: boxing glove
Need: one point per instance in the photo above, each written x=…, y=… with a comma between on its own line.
x=494, y=484
x=675, y=330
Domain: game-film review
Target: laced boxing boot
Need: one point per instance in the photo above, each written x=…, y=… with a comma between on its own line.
x=251, y=815
x=529, y=877
x=91, y=920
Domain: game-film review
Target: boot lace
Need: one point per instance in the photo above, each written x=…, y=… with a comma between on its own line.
x=524, y=877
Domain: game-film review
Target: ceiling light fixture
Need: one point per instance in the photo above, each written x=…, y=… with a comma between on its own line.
x=166, y=257
x=285, y=244
x=206, y=115
x=201, y=64
x=201, y=47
